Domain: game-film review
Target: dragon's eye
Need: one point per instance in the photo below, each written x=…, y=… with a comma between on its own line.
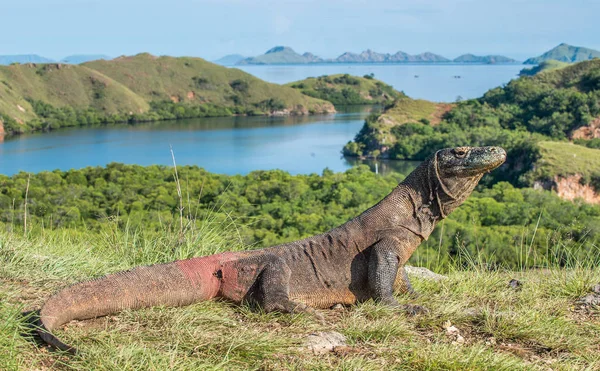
x=460, y=152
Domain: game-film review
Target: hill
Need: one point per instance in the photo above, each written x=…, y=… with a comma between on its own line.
x=565, y=53
x=551, y=106
x=281, y=55
x=24, y=58
x=548, y=65
x=229, y=60
x=346, y=90
x=26, y=89
x=82, y=58
x=486, y=59
x=195, y=81
x=142, y=87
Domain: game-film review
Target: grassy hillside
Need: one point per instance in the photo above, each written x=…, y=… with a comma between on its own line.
x=346, y=90
x=548, y=65
x=61, y=86
x=565, y=53
x=66, y=86
x=196, y=81
x=476, y=320
x=142, y=87
x=564, y=159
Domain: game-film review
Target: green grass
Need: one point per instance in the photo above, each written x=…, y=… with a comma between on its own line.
x=537, y=327
x=414, y=110
x=344, y=89
x=564, y=159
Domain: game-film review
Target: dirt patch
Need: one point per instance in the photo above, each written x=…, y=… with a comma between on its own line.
x=440, y=110
x=590, y=131
x=570, y=188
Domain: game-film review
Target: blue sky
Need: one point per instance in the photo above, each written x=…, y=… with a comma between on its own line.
x=213, y=28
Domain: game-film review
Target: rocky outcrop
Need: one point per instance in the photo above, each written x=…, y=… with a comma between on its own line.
x=590, y=131
x=570, y=188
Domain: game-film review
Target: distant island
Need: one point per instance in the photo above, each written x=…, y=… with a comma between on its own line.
x=229, y=60
x=34, y=58
x=565, y=53
x=287, y=55
x=486, y=59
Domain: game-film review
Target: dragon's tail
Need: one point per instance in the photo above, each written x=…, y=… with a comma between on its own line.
x=173, y=284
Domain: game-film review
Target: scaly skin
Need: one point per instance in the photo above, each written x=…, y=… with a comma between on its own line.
x=361, y=259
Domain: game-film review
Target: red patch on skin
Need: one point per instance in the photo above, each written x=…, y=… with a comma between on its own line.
x=202, y=272
x=237, y=280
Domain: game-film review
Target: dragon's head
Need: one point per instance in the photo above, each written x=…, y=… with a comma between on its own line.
x=458, y=170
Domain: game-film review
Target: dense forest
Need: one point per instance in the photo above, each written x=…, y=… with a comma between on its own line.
x=500, y=225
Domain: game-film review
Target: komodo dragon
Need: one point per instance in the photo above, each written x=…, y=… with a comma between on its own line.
x=361, y=259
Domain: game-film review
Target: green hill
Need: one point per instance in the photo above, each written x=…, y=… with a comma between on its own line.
x=548, y=65
x=488, y=59
x=195, y=81
x=346, y=90
x=565, y=53
x=142, y=87
x=61, y=86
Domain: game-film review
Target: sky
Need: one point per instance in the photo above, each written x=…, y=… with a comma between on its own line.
x=213, y=28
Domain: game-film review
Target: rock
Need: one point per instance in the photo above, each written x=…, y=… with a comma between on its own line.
x=324, y=342
x=424, y=273
x=338, y=307
x=454, y=333
x=590, y=299
x=515, y=284
x=472, y=312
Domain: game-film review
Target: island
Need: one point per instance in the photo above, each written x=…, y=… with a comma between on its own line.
x=343, y=89
x=287, y=55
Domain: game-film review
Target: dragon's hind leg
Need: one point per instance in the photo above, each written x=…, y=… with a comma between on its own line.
x=272, y=288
